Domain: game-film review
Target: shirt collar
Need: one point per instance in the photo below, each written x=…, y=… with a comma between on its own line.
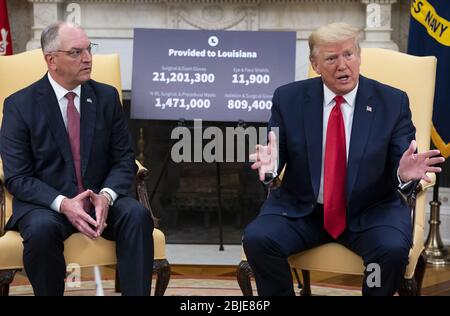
x=329, y=95
x=60, y=91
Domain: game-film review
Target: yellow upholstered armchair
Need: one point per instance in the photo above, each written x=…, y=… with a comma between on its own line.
x=17, y=72
x=416, y=76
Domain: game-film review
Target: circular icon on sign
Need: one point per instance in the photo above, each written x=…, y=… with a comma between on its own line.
x=213, y=41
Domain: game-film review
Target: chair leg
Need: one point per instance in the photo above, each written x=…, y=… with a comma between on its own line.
x=299, y=282
x=162, y=269
x=117, y=282
x=306, y=290
x=408, y=287
x=420, y=271
x=6, y=277
x=413, y=286
x=244, y=274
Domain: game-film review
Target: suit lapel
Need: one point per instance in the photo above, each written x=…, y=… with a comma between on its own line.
x=47, y=101
x=313, y=122
x=365, y=110
x=88, y=117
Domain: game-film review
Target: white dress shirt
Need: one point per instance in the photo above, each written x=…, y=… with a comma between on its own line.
x=347, y=109
x=60, y=93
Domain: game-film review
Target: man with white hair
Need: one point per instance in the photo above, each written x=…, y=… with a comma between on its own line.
x=347, y=145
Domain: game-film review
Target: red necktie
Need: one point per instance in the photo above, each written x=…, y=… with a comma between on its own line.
x=335, y=170
x=73, y=129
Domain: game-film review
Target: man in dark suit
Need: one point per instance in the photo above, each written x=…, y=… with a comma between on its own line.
x=347, y=145
x=68, y=161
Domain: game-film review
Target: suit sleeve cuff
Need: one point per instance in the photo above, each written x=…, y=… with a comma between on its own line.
x=270, y=176
x=401, y=184
x=113, y=194
x=56, y=204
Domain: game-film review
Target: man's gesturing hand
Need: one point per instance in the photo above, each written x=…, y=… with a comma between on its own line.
x=73, y=209
x=265, y=157
x=414, y=166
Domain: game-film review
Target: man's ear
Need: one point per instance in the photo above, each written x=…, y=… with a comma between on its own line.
x=50, y=60
x=315, y=66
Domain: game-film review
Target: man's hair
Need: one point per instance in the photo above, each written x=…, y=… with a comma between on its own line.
x=330, y=34
x=49, y=37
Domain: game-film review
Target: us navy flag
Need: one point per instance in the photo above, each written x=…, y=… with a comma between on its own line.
x=429, y=34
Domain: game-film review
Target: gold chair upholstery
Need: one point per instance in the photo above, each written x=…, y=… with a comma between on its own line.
x=17, y=72
x=416, y=76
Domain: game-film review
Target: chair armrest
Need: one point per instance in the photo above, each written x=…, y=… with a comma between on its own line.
x=2, y=201
x=423, y=185
x=142, y=171
x=275, y=183
x=142, y=176
x=2, y=207
x=2, y=176
x=278, y=179
x=420, y=189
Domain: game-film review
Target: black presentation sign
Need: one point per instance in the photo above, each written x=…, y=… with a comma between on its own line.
x=209, y=75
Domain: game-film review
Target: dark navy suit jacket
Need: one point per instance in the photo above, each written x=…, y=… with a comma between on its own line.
x=382, y=130
x=35, y=149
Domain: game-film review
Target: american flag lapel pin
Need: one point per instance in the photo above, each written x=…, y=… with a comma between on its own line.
x=89, y=100
x=368, y=108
